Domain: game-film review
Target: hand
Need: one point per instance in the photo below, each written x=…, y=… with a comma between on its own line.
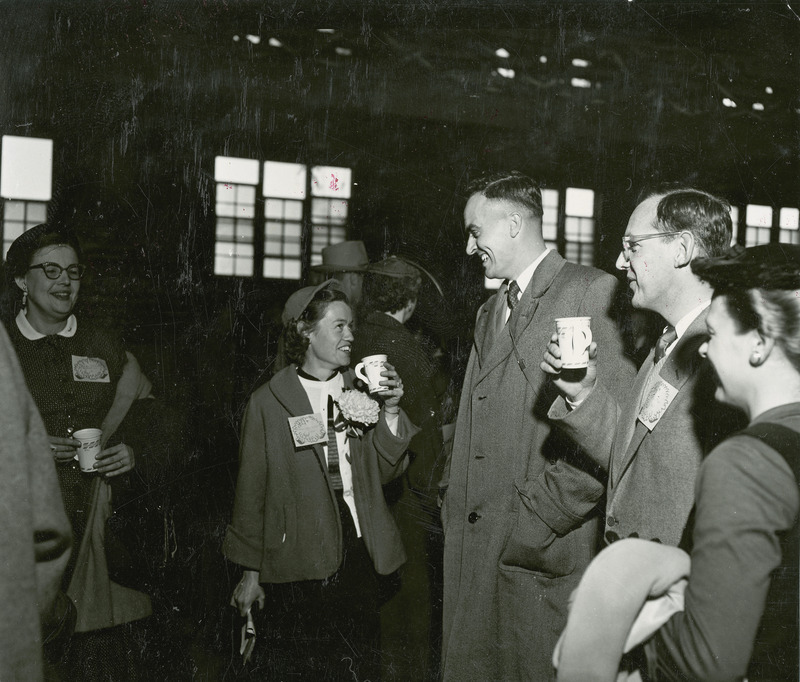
x=575, y=384
x=391, y=398
x=247, y=592
x=115, y=460
x=64, y=449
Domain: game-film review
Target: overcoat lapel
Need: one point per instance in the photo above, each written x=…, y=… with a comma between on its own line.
x=523, y=315
x=681, y=364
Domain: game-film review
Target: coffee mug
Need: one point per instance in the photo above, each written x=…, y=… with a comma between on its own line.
x=574, y=337
x=369, y=371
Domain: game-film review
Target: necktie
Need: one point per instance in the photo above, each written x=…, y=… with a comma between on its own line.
x=663, y=343
x=513, y=294
x=333, y=450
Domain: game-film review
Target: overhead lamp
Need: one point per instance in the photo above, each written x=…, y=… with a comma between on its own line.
x=768, y=90
x=580, y=83
x=502, y=53
x=543, y=60
x=581, y=63
x=728, y=102
x=235, y=39
x=326, y=30
x=506, y=73
x=253, y=39
x=757, y=106
x=274, y=42
x=344, y=51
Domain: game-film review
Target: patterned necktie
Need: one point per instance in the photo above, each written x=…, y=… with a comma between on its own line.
x=664, y=342
x=513, y=294
x=333, y=450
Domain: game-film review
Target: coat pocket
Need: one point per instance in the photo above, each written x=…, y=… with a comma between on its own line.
x=533, y=546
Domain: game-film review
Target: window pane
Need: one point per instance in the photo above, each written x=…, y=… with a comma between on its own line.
x=37, y=212
x=245, y=195
x=331, y=181
x=14, y=210
x=225, y=229
x=235, y=170
x=244, y=231
x=293, y=230
x=760, y=216
x=734, y=224
x=223, y=265
x=284, y=180
x=789, y=237
x=580, y=202
x=550, y=217
x=790, y=218
x=226, y=210
x=293, y=210
x=273, y=208
x=243, y=267
x=291, y=269
x=26, y=168
x=273, y=229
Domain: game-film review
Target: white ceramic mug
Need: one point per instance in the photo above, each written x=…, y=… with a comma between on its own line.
x=89, y=448
x=369, y=371
x=574, y=337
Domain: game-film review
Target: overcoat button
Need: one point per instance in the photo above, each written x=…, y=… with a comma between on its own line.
x=473, y=517
x=611, y=521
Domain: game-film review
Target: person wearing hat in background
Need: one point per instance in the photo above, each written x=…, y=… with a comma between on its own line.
x=411, y=626
x=346, y=262
x=80, y=376
x=310, y=525
x=740, y=613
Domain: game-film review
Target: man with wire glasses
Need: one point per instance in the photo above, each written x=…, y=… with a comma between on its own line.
x=651, y=441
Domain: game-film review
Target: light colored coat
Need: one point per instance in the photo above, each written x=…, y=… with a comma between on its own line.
x=651, y=479
x=520, y=522
x=285, y=519
x=34, y=531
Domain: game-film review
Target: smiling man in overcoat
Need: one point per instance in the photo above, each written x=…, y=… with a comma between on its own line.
x=520, y=507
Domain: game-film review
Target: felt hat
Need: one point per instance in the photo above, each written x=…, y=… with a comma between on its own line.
x=770, y=266
x=350, y=256
x=299, y=300
x=393, y=266
x=29, y=242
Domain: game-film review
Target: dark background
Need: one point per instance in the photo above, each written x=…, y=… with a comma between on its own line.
x=140, y=96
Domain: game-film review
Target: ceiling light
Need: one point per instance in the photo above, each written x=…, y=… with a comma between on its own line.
x=582, y=63
x=768, y=90
x=580, y=83
x=502, y=53
x=728, y=102
x=235, y=39
x=326, y=30
x=543, y=60
x=253, y=39
x=757, y=106
x=506, y=73
x=274, y=42
x=344, y=51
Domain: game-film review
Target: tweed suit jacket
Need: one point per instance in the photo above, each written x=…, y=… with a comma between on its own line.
x=285, y=520
x=518, y=512
x=651, y=478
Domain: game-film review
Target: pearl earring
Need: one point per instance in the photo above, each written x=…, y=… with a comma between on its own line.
x=24, y=297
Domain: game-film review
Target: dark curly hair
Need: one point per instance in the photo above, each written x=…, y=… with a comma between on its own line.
x=295, y=342
x=390, y=294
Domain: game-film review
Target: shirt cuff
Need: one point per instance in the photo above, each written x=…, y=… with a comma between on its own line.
x=391, y=422
x=572, y=404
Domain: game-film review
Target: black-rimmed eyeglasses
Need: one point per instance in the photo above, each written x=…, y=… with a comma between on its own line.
x=54, y=270
x=629, y=241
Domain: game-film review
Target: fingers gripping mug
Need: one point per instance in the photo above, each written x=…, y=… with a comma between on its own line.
x=89, y=449
x=369, y=371
x=574, y=337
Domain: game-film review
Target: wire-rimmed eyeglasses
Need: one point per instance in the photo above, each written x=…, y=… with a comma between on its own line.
x=629, y=241
x=54, y=270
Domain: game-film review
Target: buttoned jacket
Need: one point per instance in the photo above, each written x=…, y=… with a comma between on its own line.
x=652, y=471
x=286, y=522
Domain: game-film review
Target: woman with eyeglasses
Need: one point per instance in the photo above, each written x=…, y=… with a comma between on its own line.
x=74, y=372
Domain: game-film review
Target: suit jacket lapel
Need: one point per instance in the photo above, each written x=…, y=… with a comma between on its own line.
x=680, y=365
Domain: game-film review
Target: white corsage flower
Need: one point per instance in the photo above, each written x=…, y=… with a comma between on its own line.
x=357, y=412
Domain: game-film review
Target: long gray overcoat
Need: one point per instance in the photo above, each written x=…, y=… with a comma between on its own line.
x=520, y=521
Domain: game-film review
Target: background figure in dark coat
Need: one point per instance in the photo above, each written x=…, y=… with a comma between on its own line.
x=411, y=618
x=519, y=513
x=34, y=530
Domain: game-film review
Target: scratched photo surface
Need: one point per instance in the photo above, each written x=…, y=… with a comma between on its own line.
x=206, y=151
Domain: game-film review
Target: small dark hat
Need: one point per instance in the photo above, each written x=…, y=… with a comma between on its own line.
x=350, y=256
x=394, y=267
x=29, y=242
x=299, y=300
x=771, y=266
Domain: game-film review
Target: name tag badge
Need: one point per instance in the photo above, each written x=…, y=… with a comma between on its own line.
x=90, y=369
x=308, y=429
x=656, y=403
